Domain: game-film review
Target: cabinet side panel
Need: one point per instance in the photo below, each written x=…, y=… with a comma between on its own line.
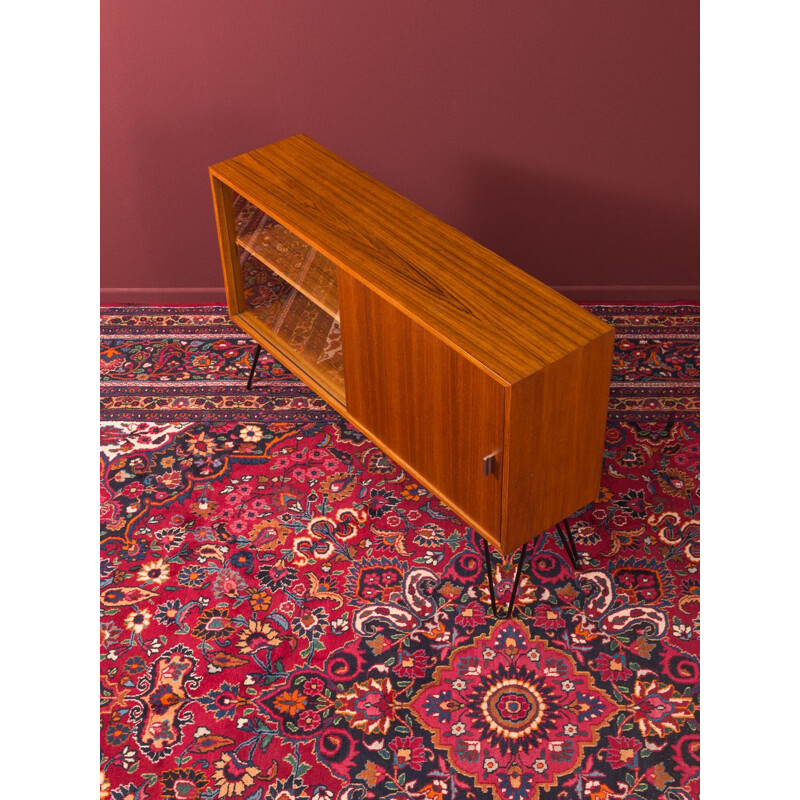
x=226, y=232
x=554, y=441
x=424, y=401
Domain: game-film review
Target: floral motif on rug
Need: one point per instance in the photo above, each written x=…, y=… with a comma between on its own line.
x=175, y=364
x=285, y=614
x=513, y=712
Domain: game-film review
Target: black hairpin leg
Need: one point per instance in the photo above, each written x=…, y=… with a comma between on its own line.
x=569, y=544
x=256, y=354
x=491, y=580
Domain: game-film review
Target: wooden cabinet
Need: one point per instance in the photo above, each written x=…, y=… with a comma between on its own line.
x=486, y=385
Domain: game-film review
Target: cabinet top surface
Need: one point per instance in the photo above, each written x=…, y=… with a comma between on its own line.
x=498, y=315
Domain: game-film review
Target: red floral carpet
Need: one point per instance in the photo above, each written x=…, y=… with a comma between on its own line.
x=286, y=614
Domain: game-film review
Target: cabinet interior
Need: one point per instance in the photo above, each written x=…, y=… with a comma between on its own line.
x=291, y=291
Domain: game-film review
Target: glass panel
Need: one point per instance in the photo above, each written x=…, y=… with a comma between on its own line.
x=287, y=286
x=288, y=255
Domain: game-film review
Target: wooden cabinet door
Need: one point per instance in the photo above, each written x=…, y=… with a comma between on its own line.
x=432, y=409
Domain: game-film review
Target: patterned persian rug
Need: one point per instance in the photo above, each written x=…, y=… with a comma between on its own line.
x=286, y=614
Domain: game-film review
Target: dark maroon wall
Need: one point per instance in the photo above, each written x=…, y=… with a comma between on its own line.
x=562, y=134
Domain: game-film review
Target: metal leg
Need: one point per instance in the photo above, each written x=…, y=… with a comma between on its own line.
x=491, y=580
x=516, y=580
x=489, y=575
x=256, y=354
x=569, y=544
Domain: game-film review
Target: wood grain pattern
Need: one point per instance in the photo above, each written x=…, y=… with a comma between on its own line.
x=495, y=314
x=226, y=233
x=556, y=422
x=424, y=400
x=449, y=352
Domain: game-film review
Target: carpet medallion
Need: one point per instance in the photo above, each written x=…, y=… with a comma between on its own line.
x=286, y=614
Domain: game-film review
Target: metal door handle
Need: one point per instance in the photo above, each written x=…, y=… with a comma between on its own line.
x=488, y=465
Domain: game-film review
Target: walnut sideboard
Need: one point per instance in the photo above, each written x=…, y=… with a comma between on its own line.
x=487, y=386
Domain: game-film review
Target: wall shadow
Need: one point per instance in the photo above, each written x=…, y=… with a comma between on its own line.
x=568, y=234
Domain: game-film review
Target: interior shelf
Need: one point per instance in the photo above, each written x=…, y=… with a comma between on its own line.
x=299, y=264
x=299, y=329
